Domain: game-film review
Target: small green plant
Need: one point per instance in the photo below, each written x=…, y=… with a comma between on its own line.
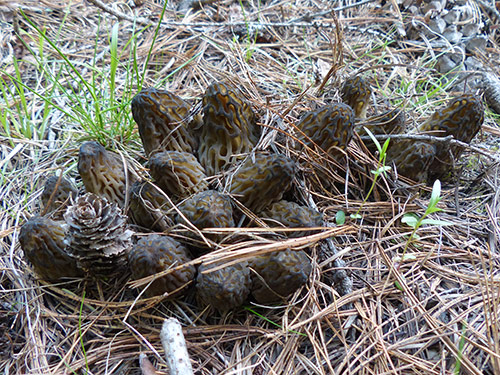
x=381, y=168
x=414, y=221
x=271, y=322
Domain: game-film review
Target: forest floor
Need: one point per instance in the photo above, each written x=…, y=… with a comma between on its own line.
x=423, y=302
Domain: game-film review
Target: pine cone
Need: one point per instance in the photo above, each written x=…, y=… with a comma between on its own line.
x=329, y=127
x=229, y=127
x=155, y=253
x=177, y=173
x=208, y=209
x=355, y=92
x=164, y=121
x=412, y=158
x=149, y=208
x=259, y=183
x=97, y=236
x=223, y=289
x=462, y=118
x=102, y=172
x=279, y=274
x=293, y=215
x=62, y=194
x=42, y=241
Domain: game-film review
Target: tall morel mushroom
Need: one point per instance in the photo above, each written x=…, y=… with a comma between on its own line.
x=355, y=92
x=229, y=127
x=103, y=172
x=164, y=121
x=462, y=118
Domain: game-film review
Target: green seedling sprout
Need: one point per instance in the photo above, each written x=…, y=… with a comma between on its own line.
x=416, y=222
x=381, y=168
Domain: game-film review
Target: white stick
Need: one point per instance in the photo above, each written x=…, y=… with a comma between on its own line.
x=175, y=348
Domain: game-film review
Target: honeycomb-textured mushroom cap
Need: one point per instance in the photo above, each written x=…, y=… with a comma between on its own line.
x=225, y=288
x=293, y=215
x=229, y=127
x=103, y=172
x=462, y=118
x=330, y=127
x=412, y=158
x=149, y=207
x=279, y=274
x=177, y=173
x=260, y=182
x=61, y=190
x=97, y=235
x=355, y=92
x=208, y=209
x=156, y=253
x=42, y=241
x=164, y=121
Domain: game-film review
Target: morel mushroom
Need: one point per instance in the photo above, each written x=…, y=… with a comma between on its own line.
x=177, y=173
x=225, y=288
x=228, y=129
x=292, y=215
x=278, y=274
x=103, y=172
x=260, y=182
x=462, y=118
x=42, y=241
x=329, y=127
x=355, y=92
x=156, y=253
x=164, y=121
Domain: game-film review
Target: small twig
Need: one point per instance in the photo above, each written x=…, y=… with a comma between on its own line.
x=175, y=348
x=120, y=15
x=431, y=138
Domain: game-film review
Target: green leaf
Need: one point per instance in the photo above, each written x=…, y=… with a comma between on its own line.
x=436, y=222
x=385, y=147
x=410, y=219
x=356, y=216
x=398, y=285
x=436, y=191
x=340, y=217
x=382, y=169
x=379, y=148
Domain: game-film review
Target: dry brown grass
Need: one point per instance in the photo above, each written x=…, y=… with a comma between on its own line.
x=423, y=316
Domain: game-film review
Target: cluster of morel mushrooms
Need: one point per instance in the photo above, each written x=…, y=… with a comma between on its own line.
x=205, y=172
